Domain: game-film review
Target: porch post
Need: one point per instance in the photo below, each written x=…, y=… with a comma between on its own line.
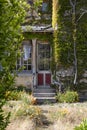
x=34, y=61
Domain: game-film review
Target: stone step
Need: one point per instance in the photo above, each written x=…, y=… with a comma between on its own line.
x=46, y=100
x=44, y=90
x=44, y=87
x=43, y=94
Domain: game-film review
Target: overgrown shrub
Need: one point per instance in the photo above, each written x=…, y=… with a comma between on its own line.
x=68, y=97
x=28, y=110
x=25, y=97
x=4, y=120
x=20, y=109
x=28, y=99
x=13, y=95
x=82, y=126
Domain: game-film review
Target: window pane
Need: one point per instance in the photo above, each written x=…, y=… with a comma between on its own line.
x=25, y=67
x=29, y=61
x=25, y=60
x=18, y=61
x=29, y=67
x=18, y=67
x=43, y=56
x=44, y=7
x=27, y=52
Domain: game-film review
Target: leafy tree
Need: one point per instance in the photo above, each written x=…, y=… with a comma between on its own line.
x=12, y=14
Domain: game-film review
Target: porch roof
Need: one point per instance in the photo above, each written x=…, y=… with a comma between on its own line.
x=46, y=28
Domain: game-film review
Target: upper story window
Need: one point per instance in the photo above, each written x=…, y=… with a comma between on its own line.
x=44, y=7
x=25, y=61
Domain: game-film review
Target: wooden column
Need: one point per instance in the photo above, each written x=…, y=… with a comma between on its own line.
x=34, y=61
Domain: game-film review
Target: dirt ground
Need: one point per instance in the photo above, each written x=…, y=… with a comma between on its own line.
x=54, y=117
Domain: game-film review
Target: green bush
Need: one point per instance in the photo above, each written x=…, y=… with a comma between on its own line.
x=68, y=97
x=82, y=126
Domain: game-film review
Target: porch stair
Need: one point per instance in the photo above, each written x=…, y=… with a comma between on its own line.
x=44, y=95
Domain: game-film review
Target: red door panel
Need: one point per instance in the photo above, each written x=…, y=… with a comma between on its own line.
x=48, y=79
x=40, y=79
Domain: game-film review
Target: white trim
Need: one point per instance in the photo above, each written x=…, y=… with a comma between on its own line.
x=34, y=61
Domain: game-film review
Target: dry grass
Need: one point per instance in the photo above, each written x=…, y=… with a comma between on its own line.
x=21, y=124
x=54, y=117
x=21, y=109
x=65, y=116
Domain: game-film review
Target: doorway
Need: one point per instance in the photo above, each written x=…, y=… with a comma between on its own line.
x=43, y=64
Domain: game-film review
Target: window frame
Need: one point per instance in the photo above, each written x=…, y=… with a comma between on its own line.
x=20, y=63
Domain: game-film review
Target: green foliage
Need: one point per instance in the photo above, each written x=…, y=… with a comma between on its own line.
x=3, y=120
x=13, y=95
x=63, y=39
x=40, y=36
x=12, y=14
x=82, y=126
x=68, y=97
x=37, y=3
x=37, y=15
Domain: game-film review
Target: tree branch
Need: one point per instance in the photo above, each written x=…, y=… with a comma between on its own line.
x=75, y=2
x=85, y=11
x=71, y=3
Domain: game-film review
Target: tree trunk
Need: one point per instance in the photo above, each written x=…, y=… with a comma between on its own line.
x=73, y=4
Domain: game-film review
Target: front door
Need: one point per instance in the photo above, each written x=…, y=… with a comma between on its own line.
x=43, y=64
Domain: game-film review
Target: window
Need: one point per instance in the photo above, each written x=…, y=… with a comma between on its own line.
x=44, y=7
x=44, y=56
x=25, y=60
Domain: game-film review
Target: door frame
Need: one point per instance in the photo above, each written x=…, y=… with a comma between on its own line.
x=44, y=72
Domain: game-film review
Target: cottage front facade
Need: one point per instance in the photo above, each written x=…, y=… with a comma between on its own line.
x=37, y=52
